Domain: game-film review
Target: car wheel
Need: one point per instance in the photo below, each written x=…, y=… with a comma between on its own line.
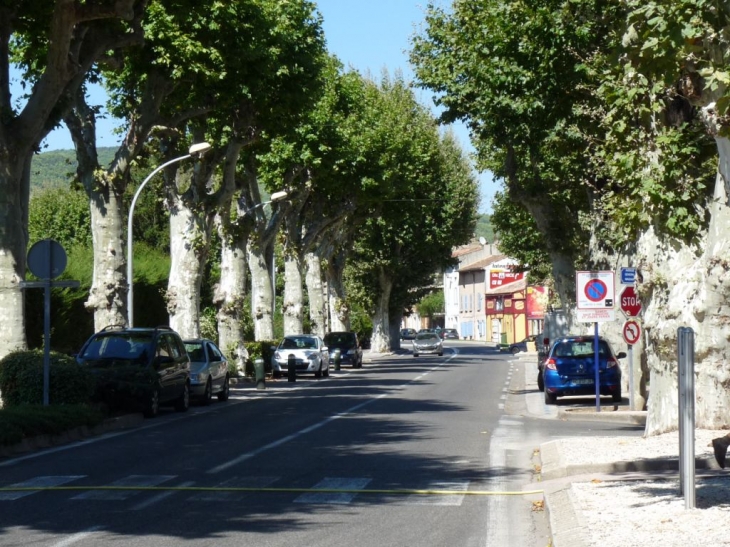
x=550, y=398
x=183, y=402
x=326, y=372
x=318, y=374
x=276, y=374
x=540, y=381
x=441, y=353
x=208, y=395
x=415, y=355
x=225, y=392
x=515, y=351
x=152, y=408
x=616, y=396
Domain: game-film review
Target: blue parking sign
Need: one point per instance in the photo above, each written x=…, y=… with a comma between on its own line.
x=628, y=276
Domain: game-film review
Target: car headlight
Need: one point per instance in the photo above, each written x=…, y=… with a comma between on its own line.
x=351, y=352
x=199, y=378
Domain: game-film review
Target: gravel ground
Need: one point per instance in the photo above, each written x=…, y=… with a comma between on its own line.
x=649, y=512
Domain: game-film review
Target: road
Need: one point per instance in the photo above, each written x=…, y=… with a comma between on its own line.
x=432, y=451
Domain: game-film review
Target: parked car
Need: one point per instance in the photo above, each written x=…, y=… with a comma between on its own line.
x=427, y=342
x=310, y=355
x=449, y=334
x=407, y=334
x=349, y=346
x=517, y=347
x=421, y=331
x=145, y=367
x=208, y=370
x=570, y=369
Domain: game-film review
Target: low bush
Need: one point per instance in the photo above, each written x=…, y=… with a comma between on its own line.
x=21, y=379
x=23, y=421
x=260, y=349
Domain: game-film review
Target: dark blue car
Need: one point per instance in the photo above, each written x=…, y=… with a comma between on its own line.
x=570, y=369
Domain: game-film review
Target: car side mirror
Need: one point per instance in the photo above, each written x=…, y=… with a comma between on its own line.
x=621, y=355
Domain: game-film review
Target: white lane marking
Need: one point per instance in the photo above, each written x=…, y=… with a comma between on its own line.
x=132, y=480
x=77, y=537
x=159, y=497
x=314, y=427
x=38, y=482
x=339, y=498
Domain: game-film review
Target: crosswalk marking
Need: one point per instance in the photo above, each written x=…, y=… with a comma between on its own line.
x=38, y=482
x=333, y=483
x=132, y=480
x=234, y=482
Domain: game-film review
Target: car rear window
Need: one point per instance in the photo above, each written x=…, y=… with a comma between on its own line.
x=117, y=345
x=340, y=338
x=580, y=348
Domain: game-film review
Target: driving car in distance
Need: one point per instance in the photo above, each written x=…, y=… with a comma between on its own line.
x=449, y=334
x=208, y=370
x=569, y=369
x=427, y=342
x=147, y=367
x=517, y=347
x=310, y=355
x=349, y=346
x=407, y=334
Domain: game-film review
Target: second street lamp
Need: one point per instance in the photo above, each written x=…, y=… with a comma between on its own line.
x=196, y=149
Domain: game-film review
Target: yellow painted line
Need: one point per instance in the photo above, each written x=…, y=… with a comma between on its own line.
x=403, y=492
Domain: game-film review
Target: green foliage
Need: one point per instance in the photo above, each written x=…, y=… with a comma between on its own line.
x=25, y=421
x=260, y=349
x=485, y=229
x=21, y=379
x=56, y=169
x=60, y=214
x=432, y=304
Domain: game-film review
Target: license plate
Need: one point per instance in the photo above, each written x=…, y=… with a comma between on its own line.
x=583, y=381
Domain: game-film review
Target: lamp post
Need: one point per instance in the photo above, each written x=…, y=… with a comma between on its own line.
x=199, y=148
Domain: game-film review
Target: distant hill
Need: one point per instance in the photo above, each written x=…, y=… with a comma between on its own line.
x=57, y=168
x=484, y=228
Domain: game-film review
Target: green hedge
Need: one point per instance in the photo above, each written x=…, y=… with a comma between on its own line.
x=21, y=380
x=19, y=422
x=260, y=349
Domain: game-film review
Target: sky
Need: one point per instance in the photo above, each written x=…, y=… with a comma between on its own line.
x=367, y=35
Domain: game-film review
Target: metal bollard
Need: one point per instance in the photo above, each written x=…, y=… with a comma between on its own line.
x=260, y=373
x=292, y=368
x=686, y=381
x=338, y=358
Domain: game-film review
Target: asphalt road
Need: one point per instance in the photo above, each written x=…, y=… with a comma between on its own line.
x=433, y=451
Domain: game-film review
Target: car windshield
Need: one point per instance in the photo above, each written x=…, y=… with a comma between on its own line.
x=339, y=338
x=426, y=336
x=196, y=352
x=117, y=346
x=299, y=342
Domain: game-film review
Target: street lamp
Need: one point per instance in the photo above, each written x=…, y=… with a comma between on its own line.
x=196, y=149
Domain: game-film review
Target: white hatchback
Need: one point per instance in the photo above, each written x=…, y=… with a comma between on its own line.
x=309, y=353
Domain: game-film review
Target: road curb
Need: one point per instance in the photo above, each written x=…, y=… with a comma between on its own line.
x=613, y=414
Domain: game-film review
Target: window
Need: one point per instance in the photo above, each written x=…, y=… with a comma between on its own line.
x=499, y=304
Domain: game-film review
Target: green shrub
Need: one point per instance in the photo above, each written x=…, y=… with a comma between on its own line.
x=260, y=349
x=21, y=379
x=19, y=422
x=124, y=388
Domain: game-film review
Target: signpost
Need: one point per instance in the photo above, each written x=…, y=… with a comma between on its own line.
x=595, y=295
x=47, y=260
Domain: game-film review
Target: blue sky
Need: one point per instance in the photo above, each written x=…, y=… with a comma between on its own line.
x=368, y=35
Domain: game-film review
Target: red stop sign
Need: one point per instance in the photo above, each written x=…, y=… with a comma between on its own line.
x=629, y=302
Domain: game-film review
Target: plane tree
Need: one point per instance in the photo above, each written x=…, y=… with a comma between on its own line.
x=55, y=44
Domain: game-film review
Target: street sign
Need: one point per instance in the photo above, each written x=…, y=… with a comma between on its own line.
x=594, y=290
x=631, y=332
x=600, y=315
x=628, y=276
x=629, y=302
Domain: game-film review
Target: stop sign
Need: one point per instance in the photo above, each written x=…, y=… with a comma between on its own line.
x=629, y=302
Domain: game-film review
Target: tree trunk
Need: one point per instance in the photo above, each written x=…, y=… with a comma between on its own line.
x=339, y=311
x=107, y=297
x=14, y=196
x=690, y=289
x=394, y=331
x=261, y=293
x=293, y=294
x=315, y=291
x=380, y=341
x=229, y=295
x=189, y=241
